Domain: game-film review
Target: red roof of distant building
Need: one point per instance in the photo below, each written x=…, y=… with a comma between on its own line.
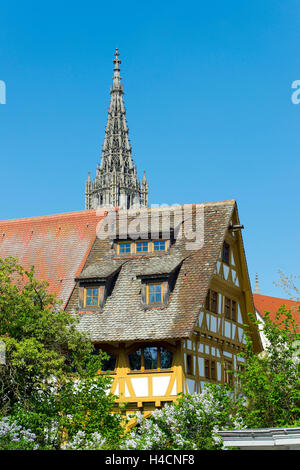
x=56, y=245
x=265, y=303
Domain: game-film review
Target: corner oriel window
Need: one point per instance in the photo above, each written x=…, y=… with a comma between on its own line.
x=166, y=358
x=150, y=358
x=109, y=364
x=135, y=360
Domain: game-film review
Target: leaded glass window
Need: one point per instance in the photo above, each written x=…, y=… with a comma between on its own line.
x=150, y=357
x=166, y=358
x=135, y=360
x=109, y=363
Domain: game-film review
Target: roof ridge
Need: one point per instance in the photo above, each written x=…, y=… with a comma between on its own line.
x=101, y=212
x=277, y=298
x=96, y=212
x=165, y=207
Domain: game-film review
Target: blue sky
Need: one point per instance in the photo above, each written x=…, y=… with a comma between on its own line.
x=208, y=97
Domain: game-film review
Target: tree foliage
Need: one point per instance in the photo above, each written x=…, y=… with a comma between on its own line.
x=270, y=380
x=50, y=383
x=290, y=284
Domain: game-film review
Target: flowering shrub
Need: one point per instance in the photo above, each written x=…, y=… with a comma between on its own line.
x=15, y=437
x=191, y=424
x=76, y=415
x=83, y=441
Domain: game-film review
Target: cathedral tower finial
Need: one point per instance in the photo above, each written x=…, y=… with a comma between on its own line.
x=116, y=78
x=116, y=182
x=117, y=61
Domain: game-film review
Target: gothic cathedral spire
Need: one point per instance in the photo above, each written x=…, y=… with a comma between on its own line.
x=116, y=182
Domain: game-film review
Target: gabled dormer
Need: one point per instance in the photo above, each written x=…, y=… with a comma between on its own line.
x=158, y=279
x=96, y=283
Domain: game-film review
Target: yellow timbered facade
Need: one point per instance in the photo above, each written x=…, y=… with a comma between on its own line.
x=170, y=319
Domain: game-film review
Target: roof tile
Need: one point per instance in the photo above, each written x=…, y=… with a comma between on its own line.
x=57, y=246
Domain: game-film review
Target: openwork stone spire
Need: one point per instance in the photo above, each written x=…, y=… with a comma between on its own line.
x=256, y=288
x=116, y=182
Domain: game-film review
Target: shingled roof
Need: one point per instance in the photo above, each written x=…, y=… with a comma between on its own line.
x=100, y=270
x=65, y=247
x=56, y=245
x=124, y=318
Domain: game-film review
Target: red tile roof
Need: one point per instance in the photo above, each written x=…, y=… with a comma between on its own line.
x=265, y=303
x=57, y=246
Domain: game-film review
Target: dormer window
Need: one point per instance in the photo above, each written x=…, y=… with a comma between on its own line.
x=155, y=293
x=140, y=247
x=96, y=283
x=159, y=245
x=92, y=296
x=124, y=247
x=158, y=279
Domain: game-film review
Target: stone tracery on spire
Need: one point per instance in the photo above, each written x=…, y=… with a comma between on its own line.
x=116, y=180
